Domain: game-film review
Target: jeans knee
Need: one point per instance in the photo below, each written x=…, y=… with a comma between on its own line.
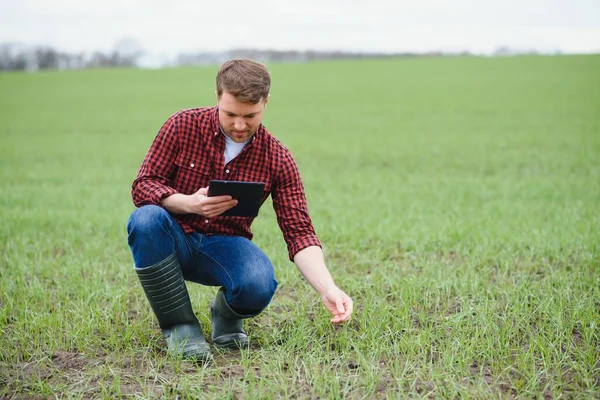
x=256, y=292
x=145, y=219
x=150, y=235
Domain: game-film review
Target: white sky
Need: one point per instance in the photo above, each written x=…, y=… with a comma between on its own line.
x=171, y=26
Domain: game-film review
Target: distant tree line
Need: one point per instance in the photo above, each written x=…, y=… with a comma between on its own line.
x=18, y=57
x=129, y=53
x=204, y=58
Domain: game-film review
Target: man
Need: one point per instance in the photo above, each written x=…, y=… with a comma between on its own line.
x=177, y=232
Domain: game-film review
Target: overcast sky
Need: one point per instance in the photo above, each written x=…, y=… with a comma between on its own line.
x=172, y=26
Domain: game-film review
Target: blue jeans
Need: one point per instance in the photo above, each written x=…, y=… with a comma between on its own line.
x=233, y=262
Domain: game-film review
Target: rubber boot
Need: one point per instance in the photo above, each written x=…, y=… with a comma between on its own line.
x=166, y=291
x=227, y=325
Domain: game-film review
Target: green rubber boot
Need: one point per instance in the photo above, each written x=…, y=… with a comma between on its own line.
x=166, y=291
x=227, y=325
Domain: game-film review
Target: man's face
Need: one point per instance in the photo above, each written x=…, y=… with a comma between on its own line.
x=239, y=120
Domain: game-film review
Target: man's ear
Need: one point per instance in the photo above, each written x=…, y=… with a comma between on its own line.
x=267, y=99
x=217, y=96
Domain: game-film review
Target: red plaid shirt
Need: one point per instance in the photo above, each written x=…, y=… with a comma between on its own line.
x=188, y=152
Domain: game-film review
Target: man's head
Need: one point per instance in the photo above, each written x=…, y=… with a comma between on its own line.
x=242, y=94
x=247, y=80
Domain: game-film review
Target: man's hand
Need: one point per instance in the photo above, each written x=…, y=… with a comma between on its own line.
x=339, y=304
x=198, y=203
x=311, y=264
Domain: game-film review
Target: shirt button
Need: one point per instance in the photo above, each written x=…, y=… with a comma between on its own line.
x=206, y=221
x=192, y=165
x=227, y=171
x=216, y=133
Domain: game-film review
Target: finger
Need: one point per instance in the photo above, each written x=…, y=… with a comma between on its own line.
x=349, y=305
x=213, y=211
x=338, y=319
x=339, y=305
x=233, y=203
x=349, y=309
x=217, y=199
x=226, y=206
x=221, y=206
x=345, y=318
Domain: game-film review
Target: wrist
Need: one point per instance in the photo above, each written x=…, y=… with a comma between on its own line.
x=177, y=203
x=324, y=287
x=186, y=204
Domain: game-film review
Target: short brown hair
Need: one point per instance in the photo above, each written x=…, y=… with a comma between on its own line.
x=247, y=80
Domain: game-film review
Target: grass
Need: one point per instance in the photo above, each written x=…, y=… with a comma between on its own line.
x=457, y=200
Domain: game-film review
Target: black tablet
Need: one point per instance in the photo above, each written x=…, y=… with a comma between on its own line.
x=248, y=195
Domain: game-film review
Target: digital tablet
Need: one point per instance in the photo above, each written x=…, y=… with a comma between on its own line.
x=248, y=195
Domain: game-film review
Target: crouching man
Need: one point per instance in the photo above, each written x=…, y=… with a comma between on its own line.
x=177, y=233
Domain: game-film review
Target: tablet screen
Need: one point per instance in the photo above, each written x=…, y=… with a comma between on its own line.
x=248, y=195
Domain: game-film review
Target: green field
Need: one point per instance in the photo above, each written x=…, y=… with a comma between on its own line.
x=458, y=200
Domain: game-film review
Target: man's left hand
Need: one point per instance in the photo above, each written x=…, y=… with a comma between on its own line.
x=339, y=304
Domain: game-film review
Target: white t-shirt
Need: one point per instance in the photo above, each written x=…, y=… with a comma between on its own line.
x=232, y=149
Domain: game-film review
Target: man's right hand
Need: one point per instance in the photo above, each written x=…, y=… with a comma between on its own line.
x=198, y=203
x=210, y=207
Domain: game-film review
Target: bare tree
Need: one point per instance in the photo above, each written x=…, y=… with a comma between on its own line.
x=127, y=52
x=46, y=58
